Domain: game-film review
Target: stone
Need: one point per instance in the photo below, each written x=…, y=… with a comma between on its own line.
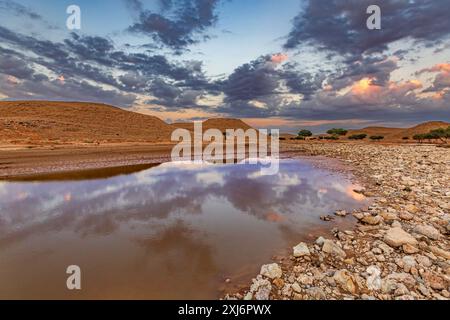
x=372, y=220
x=411, y=208
x=409, y=249
x=440, y=252
x=340, y=213
x=261, y=289
x=373, y=281
x=332, y=248
x=305, y=279
x=434, y=281
x=278, y=282
x=428, y=231
x=388, y=216
x=408, y=263
x=402, y=277
x=406, y=216
x=423, y=261
x=320, y=241
x=296, y=287
x=271, y=271
x=316, y=293
x=396, y=237
x=401, y=290
x=301, y=250
x=345, y=280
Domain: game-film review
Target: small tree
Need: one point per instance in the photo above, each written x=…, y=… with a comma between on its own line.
x=304, y=133
x=337, y=131
x=419, y=137
x=376, y=138
x=441, y=133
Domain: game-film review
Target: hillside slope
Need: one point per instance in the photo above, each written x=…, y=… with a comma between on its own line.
x=46, y=122
x=397, y=134
x=216, y=123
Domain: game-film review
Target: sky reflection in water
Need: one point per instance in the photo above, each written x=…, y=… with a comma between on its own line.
x=173, y=231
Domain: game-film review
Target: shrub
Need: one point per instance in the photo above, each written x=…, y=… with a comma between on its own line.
x=405, y=138
x=299, y=138
x=337, y=131
x=360, y=136
x=376, y=138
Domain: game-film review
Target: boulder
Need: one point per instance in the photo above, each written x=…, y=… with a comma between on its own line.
x=396, y=237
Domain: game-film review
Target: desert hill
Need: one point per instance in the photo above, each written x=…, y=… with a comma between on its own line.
x=67, y=122
x=395, y=134
x=49, y=122
x=420, y=129
x=217, y=123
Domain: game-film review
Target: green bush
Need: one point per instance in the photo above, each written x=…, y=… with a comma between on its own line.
x=376, y=138
x=337, y=131
x=360, y=136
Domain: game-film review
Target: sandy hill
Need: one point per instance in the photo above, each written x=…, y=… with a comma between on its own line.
x=371, y=131
x=216, y=123
x=45, y=122
x=393, y=134
x=421, y=128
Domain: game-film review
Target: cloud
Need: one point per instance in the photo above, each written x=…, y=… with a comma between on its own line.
x=180, y=24
x=339, y=26
x=279, y=58
x=19, y=10
x=85, y=59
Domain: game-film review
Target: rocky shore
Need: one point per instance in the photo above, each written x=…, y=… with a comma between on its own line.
x=399, y=248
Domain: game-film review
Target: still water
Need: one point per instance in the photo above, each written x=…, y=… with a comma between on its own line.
x=176, y=230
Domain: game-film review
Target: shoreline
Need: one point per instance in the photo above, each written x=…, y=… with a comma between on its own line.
x=399, y=249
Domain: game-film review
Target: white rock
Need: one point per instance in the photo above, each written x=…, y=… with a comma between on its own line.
x=301, y=250
x=271, y=271
x=320, y=241
x=261, y=289
x=374, y=280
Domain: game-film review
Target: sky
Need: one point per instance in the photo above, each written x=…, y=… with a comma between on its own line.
x=287, y=64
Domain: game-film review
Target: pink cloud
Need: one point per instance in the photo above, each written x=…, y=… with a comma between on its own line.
x=279, y=58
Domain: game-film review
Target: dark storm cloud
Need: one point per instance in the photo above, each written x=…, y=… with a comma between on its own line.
x=96, y=58
x=180, y=23
x=262, y=77
x=11, y=64
x=340, y=25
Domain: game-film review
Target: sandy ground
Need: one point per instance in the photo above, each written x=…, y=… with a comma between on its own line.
x=20, y=162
